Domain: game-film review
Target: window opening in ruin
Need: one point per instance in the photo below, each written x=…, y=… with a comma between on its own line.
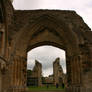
x=46, y=66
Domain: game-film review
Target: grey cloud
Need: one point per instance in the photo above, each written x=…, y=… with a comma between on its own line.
x=46, y=55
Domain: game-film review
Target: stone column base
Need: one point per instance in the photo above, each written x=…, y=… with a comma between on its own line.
x=18, y=89
x=73, y=89
x=78, y=89
x=83, y=89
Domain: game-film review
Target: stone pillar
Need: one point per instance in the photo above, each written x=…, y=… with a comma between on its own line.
x=87, y=69
x=4, y=73
x=76, y=70
x=74, y=74
x=18, y=74
x=0, y=81
x=2, y=40
x=4, y=76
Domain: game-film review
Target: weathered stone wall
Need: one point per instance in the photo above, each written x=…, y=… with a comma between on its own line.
x=37, y=72
x=2, y=39
x=58, y=72
x=63, y=29
x=86, y=58
x=18, y=73
x=3, y=59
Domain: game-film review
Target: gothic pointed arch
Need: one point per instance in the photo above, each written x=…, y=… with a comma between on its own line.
x=45, y=26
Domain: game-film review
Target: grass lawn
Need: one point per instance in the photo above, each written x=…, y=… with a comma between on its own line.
x=44, y=88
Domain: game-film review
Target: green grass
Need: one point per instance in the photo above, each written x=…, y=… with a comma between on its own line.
x=44, y=88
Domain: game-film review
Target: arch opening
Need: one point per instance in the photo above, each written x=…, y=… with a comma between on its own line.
x=47, y=64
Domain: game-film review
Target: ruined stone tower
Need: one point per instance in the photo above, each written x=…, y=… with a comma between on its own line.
x=37, y=72
x=57, y=72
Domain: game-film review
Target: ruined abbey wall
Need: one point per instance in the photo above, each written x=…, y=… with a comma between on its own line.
x=25, y=30
x=37, y=72
x=58, y=73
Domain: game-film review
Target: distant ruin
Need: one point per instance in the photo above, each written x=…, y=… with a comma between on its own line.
x=36, y=75
x=58, y=74
x=37, y=79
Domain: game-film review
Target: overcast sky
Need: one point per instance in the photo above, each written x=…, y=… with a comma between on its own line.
x=46, y=55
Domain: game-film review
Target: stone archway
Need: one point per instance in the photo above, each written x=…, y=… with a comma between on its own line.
x=28, y=29
x=44, y=31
